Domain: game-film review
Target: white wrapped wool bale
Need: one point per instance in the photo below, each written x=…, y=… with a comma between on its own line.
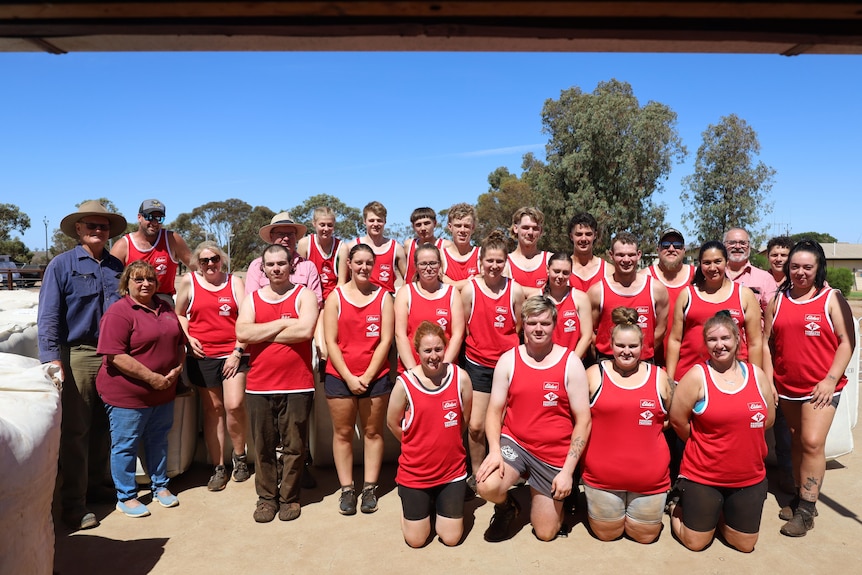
x=29, y=443
x=18, y=310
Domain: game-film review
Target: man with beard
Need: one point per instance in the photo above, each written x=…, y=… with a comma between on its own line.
x=163, y=249
x=741, y=271
x=673, y=274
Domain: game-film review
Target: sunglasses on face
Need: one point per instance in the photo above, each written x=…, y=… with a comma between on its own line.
x=214, y=260
x=153, y=218
x=675, y=245
x=139, y=281
x=100, y=227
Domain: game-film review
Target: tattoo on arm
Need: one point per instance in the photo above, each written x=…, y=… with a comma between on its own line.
x=576, y=447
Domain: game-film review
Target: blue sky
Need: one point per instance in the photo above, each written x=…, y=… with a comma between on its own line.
x=407, y=129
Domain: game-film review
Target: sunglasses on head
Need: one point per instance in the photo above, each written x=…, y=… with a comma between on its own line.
x=675, y=245
x=94, y=226
x=214, y=260
x=153, y=218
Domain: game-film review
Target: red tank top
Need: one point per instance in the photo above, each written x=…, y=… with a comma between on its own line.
x=212, y=316
x=727, y=444
x=805, y=344
x=672, y=295
x=359, y=333
x=437, y=310
x=325, y=263
x=278, y=367
x=584, y=284
x=534, y=278
x=432, y=450
x=383, y=272
x=160, y=257
x=457, y=270
x=627, y=450
x=692, y=350
x=567, y=332
x=491, y=326
x=410, y=274
x=642, y=302
x=538, y=416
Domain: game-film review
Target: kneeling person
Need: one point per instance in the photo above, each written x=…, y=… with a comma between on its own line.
x=542, y=389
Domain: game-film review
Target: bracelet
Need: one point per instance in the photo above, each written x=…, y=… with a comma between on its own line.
x=240, y=350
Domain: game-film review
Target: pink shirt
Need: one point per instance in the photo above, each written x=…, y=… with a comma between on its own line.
x=304, y=274
x=757, y=280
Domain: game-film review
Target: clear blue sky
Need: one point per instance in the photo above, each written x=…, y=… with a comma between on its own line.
x=407, y=129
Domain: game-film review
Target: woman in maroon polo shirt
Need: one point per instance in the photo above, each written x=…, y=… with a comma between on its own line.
x=143, y=349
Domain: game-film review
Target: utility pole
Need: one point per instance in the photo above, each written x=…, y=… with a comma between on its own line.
x=45, y=221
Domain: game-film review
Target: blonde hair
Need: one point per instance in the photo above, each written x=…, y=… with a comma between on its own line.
x=625, y=319
x=322, y=212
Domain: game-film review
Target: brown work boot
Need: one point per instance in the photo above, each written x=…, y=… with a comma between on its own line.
x=801, y=523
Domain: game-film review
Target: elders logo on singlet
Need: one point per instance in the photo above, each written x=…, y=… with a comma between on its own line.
x=442, y=317
x=646, y=418
x=161, y=265
x=551, y=397
x=224, y=306
x=812, y=327
x=570, y=325
x=373, y=327
x=643, y=318
x=757, y=420
x=385, y=272
x=451, y=419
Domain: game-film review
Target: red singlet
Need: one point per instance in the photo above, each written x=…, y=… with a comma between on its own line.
x=491, y=326
x=325, y=264
x=672, y=295
x=538, y=416
x=642, y=302
x=457, y=270
x=278, y=367
x=432, y=450
x=359, y=333
x=160, y=257
x=212, y=316
x=727, y=443
x=627, y=450
x=567, y=332
x=410, y=274
x=536, y=277
x=805, y=344
x=437, y=310
x=584, y=284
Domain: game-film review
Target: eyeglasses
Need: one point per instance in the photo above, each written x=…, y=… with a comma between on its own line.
x=153, y=218
x=94, y=226
x=139, y=281
x=740, y=243
x=427, y=264
x=674, y=245
x=280, y=235
x=213, y=260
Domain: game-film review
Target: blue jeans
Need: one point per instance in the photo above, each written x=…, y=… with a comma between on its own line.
x=128, y=428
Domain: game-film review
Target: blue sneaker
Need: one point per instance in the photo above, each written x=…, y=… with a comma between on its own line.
x=166, y=498
x=139, y=511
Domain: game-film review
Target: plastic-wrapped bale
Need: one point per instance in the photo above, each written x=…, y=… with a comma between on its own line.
x=29, y=443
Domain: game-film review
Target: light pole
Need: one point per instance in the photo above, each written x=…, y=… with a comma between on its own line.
x=45, y=221
x=229, y=236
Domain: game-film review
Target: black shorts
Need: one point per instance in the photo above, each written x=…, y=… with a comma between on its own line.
x=447, y=501
x=702, y=505
x=335, y=387
x=480, y=376
x=207, y=371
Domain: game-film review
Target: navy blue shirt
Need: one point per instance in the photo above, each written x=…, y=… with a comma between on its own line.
x=76, y=291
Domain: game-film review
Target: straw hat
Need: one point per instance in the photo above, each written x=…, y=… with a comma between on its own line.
x=93, y=208
x=282, y=220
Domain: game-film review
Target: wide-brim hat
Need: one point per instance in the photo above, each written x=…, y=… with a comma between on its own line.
x=281, y=220
x=93, y=208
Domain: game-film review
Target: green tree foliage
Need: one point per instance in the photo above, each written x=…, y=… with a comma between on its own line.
x=506, y=194
x=607, y=155
x=16, y=249
x=348, y=220
x=11, y=219
x=840, y=279
x=232, y=224
x=727, y=189
x=821, y=238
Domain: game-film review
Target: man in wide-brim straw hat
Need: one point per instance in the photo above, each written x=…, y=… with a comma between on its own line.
x=78, y=286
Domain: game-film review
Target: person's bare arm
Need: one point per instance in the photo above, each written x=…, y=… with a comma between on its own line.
x=493, y=462
x=674, y=342
x=660, y=297
x=402, y=343
x=753, y=326
x=578, y=391
x=585, y=319
x=181, y=250
x=120, y=249
x=396, y=408
x=301, y=328
x=453, y=348
x=685, y=396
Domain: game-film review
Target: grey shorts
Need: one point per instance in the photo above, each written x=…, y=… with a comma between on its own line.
x=607, y=505
x=540, y=474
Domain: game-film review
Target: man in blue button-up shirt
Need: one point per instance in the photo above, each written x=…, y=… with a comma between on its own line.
x=77, y=288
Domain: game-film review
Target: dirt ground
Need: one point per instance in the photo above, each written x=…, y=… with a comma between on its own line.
x=215, y=533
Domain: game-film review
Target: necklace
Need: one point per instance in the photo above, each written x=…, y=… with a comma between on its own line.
x=733, y=370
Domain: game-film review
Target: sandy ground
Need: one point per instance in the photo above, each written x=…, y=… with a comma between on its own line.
x=215, y=533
